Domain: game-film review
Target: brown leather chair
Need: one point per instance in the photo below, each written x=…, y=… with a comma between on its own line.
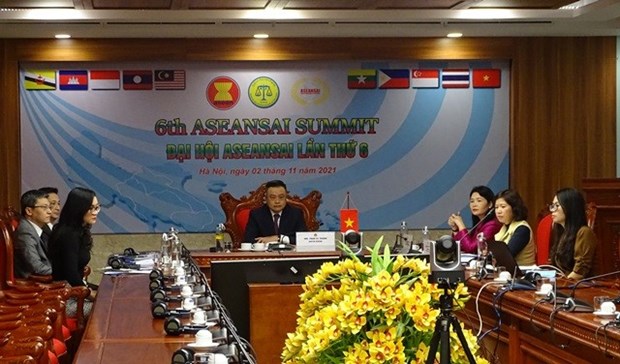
x=237, y=210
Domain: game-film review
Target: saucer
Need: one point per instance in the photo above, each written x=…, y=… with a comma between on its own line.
x=245, y=250
x=205, y=346
x=541, y=293
x=605, y=314
x=499, y=280
x=259, y=250
x=204, y=323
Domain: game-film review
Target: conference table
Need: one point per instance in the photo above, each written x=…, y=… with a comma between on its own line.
x=121, y=329
x=533, y=331
x=121, y=326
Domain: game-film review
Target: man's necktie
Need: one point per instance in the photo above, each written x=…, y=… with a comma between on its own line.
x=276, y=218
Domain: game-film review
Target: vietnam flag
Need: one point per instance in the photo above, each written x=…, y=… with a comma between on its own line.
x=349, y=220
x=487, y=78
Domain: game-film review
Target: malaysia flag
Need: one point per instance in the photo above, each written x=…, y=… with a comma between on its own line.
x=105, y=80
x=73, y=80
x=455, y=78
x=138, y=80
x=169, y=80
x=396, y=78
x=425, y=78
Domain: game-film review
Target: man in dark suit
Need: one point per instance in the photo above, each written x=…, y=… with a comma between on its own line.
x=30, y=252
x=275, y=219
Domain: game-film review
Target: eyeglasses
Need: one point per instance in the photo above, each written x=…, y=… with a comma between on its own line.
x=554, y=207
x=94, y=209
x=44, y=207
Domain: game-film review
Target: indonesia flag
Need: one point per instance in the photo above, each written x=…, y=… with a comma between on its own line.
x=455, y=78
x=424, y=78
x=394, y=78
x=105, y=80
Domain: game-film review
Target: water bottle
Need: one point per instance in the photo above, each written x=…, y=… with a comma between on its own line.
x=483, y=251
x=219, y=236
x=426, y=241
x=404, y=232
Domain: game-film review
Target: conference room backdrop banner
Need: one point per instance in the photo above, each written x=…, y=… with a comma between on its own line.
x=159, y=142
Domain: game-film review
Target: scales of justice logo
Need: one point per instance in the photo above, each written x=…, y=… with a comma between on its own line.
x=264, y=92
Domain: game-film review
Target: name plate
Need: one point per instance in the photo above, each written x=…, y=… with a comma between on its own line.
x=316, y=241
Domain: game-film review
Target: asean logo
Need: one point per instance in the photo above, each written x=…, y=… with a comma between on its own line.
x=223, y=93
x=264, y=92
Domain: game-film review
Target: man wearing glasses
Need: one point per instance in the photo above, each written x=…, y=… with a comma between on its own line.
x=30, y=251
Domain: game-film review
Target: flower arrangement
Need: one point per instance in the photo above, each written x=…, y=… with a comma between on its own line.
x=378, y=312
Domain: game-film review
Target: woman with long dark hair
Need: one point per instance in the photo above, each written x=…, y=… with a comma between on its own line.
x=482, y=217
x=71, y=242
x=573, y=243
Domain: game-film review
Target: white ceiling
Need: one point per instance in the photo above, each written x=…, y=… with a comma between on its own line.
x=305, y=18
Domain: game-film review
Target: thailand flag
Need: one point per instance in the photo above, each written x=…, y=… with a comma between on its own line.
x=455, y=78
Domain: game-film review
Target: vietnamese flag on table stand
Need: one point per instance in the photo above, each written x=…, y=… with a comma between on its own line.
x=349, y=220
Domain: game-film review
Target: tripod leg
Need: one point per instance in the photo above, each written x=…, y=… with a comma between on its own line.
x=445, y=345
x=432, y=351
x=459, y=332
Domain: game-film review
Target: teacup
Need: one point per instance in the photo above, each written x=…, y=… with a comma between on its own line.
x=505, y=276
x=258, y=246
x=246, y=246
x=199, y=316
x=189, y=303
x=187, y=291
x=181, y=280
x=204, y=337
x=544, y=285
x=179, y=271
x=604, y=304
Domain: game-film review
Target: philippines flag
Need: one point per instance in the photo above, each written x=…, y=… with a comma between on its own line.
x=455, y=78
x=398, y=78
x=424, y=78
x=105, y=80
x=73, y=80
x=138, y=80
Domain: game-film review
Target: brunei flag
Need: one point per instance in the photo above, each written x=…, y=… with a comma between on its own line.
x=349, y=220
x=362, y=79
x=40, y=79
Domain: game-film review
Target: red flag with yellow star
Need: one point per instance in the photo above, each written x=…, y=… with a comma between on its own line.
x=349, y=220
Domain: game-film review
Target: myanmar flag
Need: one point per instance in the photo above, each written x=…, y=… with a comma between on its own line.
x=40, y=79
x=349, y=220
x=362, y=79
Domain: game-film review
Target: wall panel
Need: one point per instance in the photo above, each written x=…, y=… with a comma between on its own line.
x=563, y=92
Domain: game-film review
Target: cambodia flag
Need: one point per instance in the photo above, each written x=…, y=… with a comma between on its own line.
x=73, y=80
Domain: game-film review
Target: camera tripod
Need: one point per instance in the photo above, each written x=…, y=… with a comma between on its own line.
x=442, y=328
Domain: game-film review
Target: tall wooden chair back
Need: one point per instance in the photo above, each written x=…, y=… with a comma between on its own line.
x=237, y=210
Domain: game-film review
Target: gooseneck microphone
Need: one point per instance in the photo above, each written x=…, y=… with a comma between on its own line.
x=480, y=221
x=574, y=305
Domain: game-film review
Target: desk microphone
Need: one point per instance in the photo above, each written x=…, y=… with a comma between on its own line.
x=573, y=305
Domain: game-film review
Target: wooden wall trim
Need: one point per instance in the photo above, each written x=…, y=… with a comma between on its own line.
x=562, y=126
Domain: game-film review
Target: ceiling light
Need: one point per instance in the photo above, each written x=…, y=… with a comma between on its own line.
x=62, y=36
x=454, y=35
x=261, y=36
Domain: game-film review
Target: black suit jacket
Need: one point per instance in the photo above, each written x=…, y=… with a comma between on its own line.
x=260, y=223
